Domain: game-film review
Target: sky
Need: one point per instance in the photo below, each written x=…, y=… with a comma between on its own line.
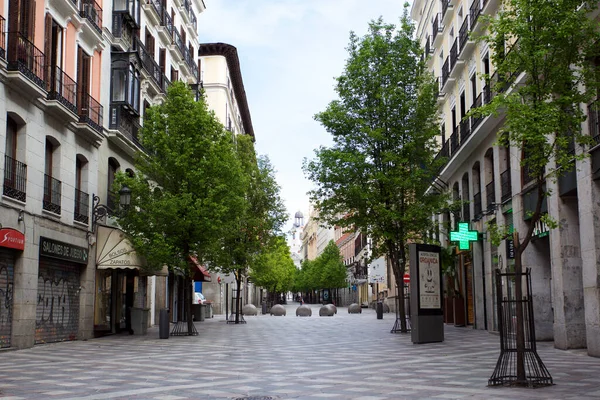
x=290, y=53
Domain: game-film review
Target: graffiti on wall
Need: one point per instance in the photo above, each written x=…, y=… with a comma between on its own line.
x=6, y=301
x=57, y=316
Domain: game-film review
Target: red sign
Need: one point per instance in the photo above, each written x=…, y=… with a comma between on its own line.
x=406, y=278
x=12, y=238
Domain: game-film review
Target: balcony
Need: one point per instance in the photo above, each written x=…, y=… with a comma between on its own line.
x=428, y=48
x=446, y=11
x=29, y=61
x=475, y=121
x=130, y=9
x=82, y=207
x=2, y=37
x=474, y=13
x=150, y=65
x=456, y=63
x=52, y=194
x=122, y=31
x=446, y=75
x=15, y=179
x=154, y=11
x=505, y=186
x=167, y=29
x=178, y=48
x=63, y=89
x=90, y=113
x=465, y=130
x=190, y=63
x=477, y=211
x=91, y=11
x=193, y=22
x=437, y=30
x=124, y=129
x=490, y=196
x=454, y=141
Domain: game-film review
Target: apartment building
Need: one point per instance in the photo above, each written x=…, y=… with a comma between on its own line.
x=76, y=77
x=489, y=178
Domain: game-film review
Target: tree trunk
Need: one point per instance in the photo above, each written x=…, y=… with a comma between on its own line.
x=520, y=331
x=398, y=263
x=187, y=295
x=238, y=282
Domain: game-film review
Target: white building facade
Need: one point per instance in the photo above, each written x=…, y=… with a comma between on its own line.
x=563, y=261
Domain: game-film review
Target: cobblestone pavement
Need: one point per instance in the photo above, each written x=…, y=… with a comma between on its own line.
x=348, y=356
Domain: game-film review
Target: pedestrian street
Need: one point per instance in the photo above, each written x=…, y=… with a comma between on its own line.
x=347, y=356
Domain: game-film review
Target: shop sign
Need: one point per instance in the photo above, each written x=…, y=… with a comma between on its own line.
x=510, y=249
x=12, y=238
x=464, y=236
x=63, y=251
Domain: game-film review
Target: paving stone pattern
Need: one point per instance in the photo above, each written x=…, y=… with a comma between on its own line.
x=348, y=356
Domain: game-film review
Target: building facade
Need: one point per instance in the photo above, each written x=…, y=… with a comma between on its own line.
x=490, y=181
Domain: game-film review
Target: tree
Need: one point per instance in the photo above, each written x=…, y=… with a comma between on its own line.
x=375, y=176
x=274, y=268
x=554, y=44
x=187, y=189
x=259, y=218
x=332, y=268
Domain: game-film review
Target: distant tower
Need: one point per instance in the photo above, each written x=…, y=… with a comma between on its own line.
x=298, y=219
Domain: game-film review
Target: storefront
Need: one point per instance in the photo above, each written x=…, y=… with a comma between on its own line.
x=12, y=242
x=119, y=287
x=57, y=310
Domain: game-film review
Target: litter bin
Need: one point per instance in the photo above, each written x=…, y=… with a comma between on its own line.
x=209, y=310
x=202, y=312
x=379, y=310
x=163, y=324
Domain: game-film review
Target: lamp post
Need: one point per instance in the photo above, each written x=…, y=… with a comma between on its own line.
x=101, y=210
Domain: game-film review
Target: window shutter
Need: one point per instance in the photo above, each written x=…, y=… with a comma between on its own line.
x=80, y=78
x=49, y=78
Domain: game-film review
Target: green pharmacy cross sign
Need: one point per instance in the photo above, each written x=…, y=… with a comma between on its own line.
x=464, y=236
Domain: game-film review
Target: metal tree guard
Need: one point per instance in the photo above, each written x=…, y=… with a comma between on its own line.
x=505, y=373
x=406, y=299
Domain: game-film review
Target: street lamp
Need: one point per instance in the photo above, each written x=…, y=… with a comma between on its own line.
x=100, y=210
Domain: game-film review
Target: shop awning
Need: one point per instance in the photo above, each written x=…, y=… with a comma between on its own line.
x=115, y=251
x=200, y=273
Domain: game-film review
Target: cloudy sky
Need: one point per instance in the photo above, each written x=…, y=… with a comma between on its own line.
x=290, y=52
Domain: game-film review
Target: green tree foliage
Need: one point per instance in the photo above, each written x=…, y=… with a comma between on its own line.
x=332, y=271
x=187, y=188
x=554, y=43
x=273, y=269
x=375, y=176
x=259, y=218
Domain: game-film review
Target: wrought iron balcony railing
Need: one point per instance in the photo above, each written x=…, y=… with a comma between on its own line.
x=453, y=54
x=445, y=7
x=505, y=185
x=454, y=140
x=149, y=63
x=475, y=121
x=490, y=195
x=179, y=42
x=63, y=89
x=445, y=71
x=465, y=130
x=428, y=47
x=167, y=22
x=82, y=207
x=90, y=10
x=15, y=179
x=437, y=26
x=90, y=111
x=474, y=12
x=24, y=57
x=463, y=33
x=52, y=194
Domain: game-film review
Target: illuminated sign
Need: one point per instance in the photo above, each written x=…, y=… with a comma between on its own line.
x=464, y=236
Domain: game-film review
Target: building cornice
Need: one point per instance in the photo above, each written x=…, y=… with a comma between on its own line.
x=233, y=63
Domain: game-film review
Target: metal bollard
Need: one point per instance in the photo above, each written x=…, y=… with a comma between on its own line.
x=163, y=324
x=379, y=310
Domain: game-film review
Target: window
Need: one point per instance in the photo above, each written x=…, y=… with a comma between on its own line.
x=150, y=43
x=82, y=198
x=125, y=83
x=15, y=172
x=113, y=167
x=162, y=61
x=52, y=186
x=174, y=74
x=83, y=81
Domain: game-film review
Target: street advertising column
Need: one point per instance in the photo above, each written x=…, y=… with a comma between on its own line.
x=427, y=318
